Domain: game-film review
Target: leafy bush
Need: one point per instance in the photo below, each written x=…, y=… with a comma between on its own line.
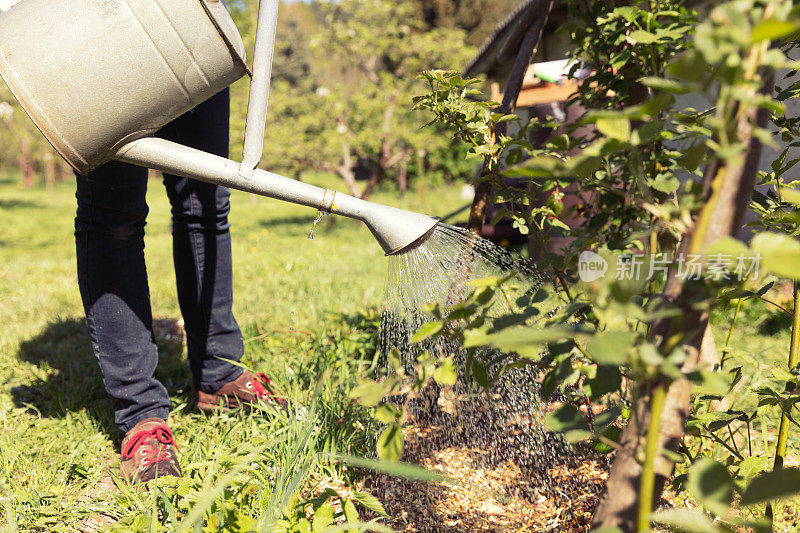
x=662, y=190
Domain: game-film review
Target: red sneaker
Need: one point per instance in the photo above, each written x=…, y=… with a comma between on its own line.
x=148, y=452
x=247, y=390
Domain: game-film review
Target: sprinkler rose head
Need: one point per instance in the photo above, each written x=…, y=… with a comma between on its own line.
x=414, y=244
x=397, y=230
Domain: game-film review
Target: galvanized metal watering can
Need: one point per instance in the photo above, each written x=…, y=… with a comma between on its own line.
x=100, y=77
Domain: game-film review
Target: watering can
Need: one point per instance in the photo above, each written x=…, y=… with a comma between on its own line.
x=100, y=77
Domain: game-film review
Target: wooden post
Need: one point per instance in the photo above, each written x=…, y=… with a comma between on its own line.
x=541, y=11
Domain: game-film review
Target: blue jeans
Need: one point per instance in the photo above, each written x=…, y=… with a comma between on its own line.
x=109, y=235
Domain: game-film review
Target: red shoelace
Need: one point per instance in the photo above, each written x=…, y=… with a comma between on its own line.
x=151, y=455
x=261, y=385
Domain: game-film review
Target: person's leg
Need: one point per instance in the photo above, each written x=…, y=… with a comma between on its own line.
x=109, y=235
x=202, y=251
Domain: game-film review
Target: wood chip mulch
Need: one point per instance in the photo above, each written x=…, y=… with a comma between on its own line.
x=510, y=475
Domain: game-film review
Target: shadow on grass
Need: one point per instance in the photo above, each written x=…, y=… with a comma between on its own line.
x=774, y=323
x=63, y=351
x=299, y=225
x=14, y=203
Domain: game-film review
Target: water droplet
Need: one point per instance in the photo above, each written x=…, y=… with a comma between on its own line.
x=320, y=215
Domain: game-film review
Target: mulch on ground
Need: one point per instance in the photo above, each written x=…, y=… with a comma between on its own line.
x=509, y=474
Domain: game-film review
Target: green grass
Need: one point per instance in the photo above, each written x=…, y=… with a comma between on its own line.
x=298, y=302
x=57, y=440
x=758, y=344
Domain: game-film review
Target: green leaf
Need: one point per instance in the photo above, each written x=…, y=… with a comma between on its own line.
x=510, y=320
x=643, y=37
x=368, y=501
x=527, y=341
x=479, y=373
x=369, y=393
x=461, y=312
x=396, y=361
x=783, y=374
x=445, y=373
x=577, y=435
x=711, y=485
x=772, y=29
x=754, y=465
x=387, y=413
x=506, y=118
x=629, y=14
x=670, y=86
x=565, y=418
x=610, y=347
x=426, y=330
x=689, y=66
x=390, y=443
x=666, y=184
x=727, y=246
x=323, y=517
x=606, y=418
x=350, y=511
x=476, y=337
x=691, y=158
x=772, y=486
x=780, y=253
x=402, y=470
x=709, y=382
x=686, y=521
x=618, y=128
x=790, y=195
x=606, y=380
x=716, y=420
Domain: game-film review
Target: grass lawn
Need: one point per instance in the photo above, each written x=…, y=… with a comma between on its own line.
x=58, y=442
x=298, y=302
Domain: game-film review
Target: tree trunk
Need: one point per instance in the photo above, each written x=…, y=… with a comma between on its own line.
x=49, y=171
x=25, y=165
x=373, y=182
x=726, y=204
x=483, y=187
x=345, y=170
x=402, y=179
x=422, y=171
x=385, y=161
x=62, y=170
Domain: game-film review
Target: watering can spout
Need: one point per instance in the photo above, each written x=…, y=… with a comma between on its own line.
x=396, y=230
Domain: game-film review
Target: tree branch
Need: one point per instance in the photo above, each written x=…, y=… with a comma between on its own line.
x=513, y=87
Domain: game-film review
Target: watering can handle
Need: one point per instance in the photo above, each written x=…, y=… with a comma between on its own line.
x=258, y=99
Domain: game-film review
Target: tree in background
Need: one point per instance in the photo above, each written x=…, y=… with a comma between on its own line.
x=301, y=132
x=381, y=46
x=478, y=18
x=343, y=81
x=22, y=148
